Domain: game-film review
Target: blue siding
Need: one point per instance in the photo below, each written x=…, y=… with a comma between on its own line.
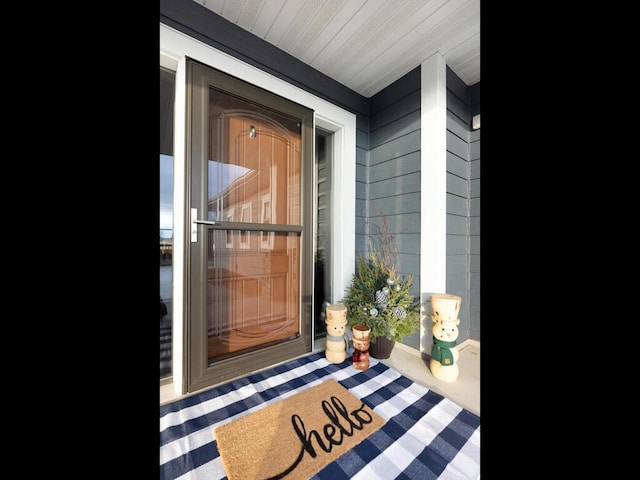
x=394, y=181
x=474, y=234
x=463, y=203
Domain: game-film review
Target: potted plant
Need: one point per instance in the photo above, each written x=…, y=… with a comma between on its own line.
x=380, y=299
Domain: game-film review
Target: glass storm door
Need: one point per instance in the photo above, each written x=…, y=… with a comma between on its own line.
x=249, y=283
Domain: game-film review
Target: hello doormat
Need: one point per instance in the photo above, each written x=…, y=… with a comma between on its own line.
x=295, y=437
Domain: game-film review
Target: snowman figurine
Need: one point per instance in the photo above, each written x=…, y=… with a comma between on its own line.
x=337, y=343
x=444, y=353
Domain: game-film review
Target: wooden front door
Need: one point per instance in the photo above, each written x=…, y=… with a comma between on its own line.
x=253, y=276
x=247, y=238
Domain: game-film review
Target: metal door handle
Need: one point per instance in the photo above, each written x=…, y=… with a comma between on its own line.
x=194, y=225
x=207, y=222
x=244, y=226
x=195, y=222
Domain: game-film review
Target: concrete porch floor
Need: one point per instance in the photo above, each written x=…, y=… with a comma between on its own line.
x=465, y=391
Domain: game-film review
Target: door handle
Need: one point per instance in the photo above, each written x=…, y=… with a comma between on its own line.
x=194, y=225
x=244, y=226
x=195, y=222
x=207, y=222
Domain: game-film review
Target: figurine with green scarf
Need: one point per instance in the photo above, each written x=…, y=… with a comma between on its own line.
x=444, y=353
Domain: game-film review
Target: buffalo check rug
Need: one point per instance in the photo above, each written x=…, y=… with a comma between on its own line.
x=424, y=435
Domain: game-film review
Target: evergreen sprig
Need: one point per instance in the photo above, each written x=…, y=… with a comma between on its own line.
x=396, y=314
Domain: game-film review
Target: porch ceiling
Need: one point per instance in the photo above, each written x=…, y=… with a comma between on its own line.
x=364, y=44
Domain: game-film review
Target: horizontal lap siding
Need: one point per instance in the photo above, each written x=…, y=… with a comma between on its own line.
x=361, y=198
x=474, y=236
x=458, y=199
x=394, y=173
x=362, y=172
x=474, y=233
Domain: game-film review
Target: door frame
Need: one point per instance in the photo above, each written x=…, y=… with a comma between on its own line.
x=175, y=47
x=204, y=371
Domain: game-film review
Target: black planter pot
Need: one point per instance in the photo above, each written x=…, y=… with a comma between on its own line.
x=381, y=347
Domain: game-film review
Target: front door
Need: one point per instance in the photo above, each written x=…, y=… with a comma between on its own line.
x=249, y=268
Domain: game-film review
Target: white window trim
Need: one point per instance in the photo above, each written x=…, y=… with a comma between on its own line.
x=175, y=47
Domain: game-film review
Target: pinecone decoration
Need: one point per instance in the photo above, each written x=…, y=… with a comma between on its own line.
x=381, y=299
x=399, y=312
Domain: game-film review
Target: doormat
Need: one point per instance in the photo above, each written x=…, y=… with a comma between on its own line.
x=296, y=437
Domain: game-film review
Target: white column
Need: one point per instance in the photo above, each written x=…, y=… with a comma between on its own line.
x=433, y=184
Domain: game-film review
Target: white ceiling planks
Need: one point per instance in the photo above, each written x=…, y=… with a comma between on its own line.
x=364, y=44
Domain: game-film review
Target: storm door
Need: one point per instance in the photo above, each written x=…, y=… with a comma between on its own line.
x=249, y=276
